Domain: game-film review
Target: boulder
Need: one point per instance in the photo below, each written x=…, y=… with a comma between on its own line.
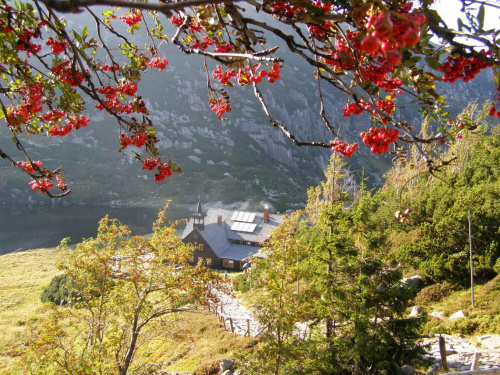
x=459, y=314
x=414, y=282
x=433, y=369
x=415, y=311
x=227, y=372
x=226, y=364
x=491, y=342
x=408, y=370
x=437, y=314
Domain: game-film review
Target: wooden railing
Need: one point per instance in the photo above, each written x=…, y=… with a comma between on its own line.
x=234, y=321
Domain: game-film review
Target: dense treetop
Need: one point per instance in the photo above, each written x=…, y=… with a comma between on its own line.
x=375, y=51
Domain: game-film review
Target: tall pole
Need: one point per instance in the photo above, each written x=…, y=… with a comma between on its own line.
x=298, y=270
x=471, y=263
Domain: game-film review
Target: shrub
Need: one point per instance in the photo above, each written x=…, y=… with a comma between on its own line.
x=476, y=324
x=241, y=283
x=435, y=292
x=211, y=368
x=59, y=291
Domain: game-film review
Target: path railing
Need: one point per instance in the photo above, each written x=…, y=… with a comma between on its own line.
x=235, y=324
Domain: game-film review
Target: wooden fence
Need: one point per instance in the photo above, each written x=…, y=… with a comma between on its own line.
x=235, y=322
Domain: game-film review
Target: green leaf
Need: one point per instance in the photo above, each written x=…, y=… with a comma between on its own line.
x=480, y=16
x=460, y=24
x=85, y=32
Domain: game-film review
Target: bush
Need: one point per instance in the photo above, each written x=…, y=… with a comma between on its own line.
x=59, y=291
x=476, y=324
x=435, y=292
x=241, y=283
x=211, y=368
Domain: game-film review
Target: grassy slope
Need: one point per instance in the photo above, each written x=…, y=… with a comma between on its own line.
x=22, y=278
x=200, y=344
x=483, y=318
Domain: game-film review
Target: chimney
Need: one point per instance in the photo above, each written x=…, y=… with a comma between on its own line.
x=219, y=220
x=266, y=215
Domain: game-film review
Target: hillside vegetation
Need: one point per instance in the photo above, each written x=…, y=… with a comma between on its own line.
x=334, y=268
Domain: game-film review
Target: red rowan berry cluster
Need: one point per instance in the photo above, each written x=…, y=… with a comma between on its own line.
x=28, y=167
x=285, y=9
x=61, y=185
x=112, y=68
x=380, y=139
x=343, y=58
x=493, y=110
x=164, y=171
x=388, y=34
x=131, y=19
x=202, y=44
x=223, y=47
x=138, y=141
x=176, y=21
x=355, y=108
x=344, y=148
x=52, y=116
x=460, y=67
x=320, y=29
x=223, y=77
x=25, y=39
x=274, y=73
x=41, y=185
x=72, y=123
x=387, y=106
x=114, y=105
x=149, y=164
x=32, y=104
x=158, y=63
x=57, y=46
x=219, y=106
x=65, y=72
x=246, y=75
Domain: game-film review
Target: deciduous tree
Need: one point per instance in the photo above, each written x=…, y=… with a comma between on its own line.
x=130, y=291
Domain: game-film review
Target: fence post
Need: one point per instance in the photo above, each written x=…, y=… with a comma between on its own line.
x=248, y=328
x=442, y=351
x=475, y=361
x=231, y=323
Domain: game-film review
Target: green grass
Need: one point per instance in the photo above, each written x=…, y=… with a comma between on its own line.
x=483, y=318
x=22, y=278
x=196, y=347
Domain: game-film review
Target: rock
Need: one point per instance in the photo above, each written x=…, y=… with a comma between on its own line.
x=414, y=282
x=459, y=314
x=437, y=314
x=227, y=372
x=239, y=372
x=433, y=369
x=481, y=338
x=492, y=342
x=408, y=370
x=415, y=311
x=226, y=364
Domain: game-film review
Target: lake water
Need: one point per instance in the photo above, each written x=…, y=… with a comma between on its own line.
x=27, y=227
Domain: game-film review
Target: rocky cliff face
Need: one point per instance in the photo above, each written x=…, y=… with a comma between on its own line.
x=238, y=159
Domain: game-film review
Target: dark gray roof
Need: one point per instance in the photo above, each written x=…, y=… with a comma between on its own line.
x=239, y=252
x=218, y=236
